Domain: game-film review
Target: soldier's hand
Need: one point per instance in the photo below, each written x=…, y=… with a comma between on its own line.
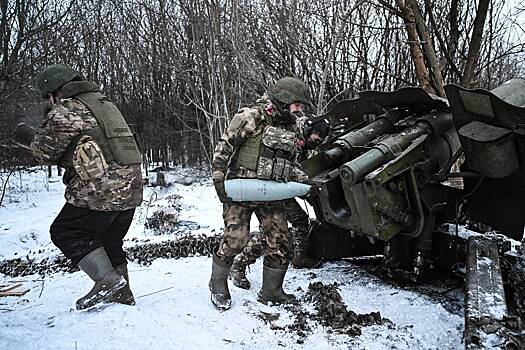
x=218, y=182
x=23, y=135
x=221, y=192
x=314, y=191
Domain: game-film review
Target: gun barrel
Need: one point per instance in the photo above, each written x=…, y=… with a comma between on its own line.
x=386, y=150
x=353, y=171
x=343, y=146
x=334, y=155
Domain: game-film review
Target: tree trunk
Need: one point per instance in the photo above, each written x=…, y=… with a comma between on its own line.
x=415, y=51
x=475, y=42
x=428, y=46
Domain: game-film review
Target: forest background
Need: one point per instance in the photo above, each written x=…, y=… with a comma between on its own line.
x=180, y=69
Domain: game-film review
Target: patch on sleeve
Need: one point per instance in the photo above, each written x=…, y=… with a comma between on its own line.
x=88, y=159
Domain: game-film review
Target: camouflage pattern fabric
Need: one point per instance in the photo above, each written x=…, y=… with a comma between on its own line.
x=88, y=159
x=256, y=247
x=272, y=219
x=277, y=167
x=278, y=138
x=90, y=182
x=248, y=123
x=299, y=220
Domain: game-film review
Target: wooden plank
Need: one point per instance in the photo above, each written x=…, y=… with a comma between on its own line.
x=14, y=293
x=12, y=290
x=485, y=296
x=7, y=287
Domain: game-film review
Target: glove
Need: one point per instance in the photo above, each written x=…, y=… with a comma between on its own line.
x=23, y=135
x=218, y=182
x=318, y=125
x=314, y=191
x=221, y=192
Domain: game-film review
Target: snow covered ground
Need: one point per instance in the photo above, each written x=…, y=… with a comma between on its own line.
x=173, y=310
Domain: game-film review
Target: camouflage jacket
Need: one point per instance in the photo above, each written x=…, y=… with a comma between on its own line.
x=111, y=187
x=247, y=123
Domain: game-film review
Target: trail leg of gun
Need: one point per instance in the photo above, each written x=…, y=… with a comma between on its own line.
x=485, y=296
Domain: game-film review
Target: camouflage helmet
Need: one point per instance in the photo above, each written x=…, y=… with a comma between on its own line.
x=290, y=90
x=54, y=77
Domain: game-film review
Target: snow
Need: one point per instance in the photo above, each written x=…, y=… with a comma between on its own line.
x=31, y=203
x=173, y=309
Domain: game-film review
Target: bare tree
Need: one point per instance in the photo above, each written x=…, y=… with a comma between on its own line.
x=187, y=66
x=475, y=42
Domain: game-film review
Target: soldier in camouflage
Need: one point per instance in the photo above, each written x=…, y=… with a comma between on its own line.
x=313, y=134
x=84, y=132
x=260, y=142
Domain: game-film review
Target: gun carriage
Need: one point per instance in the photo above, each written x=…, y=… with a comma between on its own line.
x=389, y=185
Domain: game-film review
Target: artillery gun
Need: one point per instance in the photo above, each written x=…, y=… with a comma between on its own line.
x=386, y=188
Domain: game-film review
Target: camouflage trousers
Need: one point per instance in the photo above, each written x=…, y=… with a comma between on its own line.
x=298, y=242
x=273, y=225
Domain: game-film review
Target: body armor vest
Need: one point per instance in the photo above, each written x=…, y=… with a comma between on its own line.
x=113, y=134
x=270, y=154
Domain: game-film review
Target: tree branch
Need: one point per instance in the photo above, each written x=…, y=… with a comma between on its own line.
x=331, y=54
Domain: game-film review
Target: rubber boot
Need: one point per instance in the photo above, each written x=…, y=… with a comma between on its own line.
x=272, y=286
x=302, y=261
x=110, y=287
x=220, y=294
x=238, y=273
x=122, y=270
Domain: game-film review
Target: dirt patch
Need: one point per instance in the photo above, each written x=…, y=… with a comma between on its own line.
x=331, y=312
x=166, y=221
x=161, y=222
